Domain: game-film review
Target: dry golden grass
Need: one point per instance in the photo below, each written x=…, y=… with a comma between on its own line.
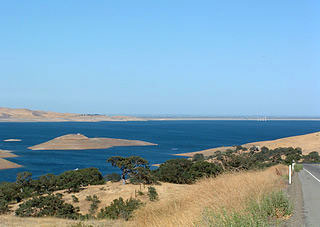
x=179, y=205
x=110, y=191
x=12, y=221
x=229, y=191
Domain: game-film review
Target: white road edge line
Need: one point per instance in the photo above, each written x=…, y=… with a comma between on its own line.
x=312, y=175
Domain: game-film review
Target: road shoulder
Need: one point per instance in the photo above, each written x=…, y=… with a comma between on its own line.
x=295, y=195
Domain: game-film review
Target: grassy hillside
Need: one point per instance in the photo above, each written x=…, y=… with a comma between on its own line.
x=178, y=205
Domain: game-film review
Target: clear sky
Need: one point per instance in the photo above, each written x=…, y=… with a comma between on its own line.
x=161, y=57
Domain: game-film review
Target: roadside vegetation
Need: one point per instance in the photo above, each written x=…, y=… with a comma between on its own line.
x=224, y=195
x=298, y=167
x=42, y=197
x=242, y=158
x=269, y=210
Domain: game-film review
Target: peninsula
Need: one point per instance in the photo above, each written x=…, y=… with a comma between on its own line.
x=81, y=142
x=308, y=143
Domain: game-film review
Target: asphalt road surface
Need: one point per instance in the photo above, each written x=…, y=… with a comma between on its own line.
x=310, y=181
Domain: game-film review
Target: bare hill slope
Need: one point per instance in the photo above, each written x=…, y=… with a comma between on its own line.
x=26, y=115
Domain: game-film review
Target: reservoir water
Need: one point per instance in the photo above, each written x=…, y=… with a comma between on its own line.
x=172, y=137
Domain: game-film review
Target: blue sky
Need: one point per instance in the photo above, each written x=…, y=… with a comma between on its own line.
x=161, y=57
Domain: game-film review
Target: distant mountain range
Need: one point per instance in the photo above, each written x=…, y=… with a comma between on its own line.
x=26, y=115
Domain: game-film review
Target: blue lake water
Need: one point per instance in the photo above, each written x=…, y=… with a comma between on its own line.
x=172, y=137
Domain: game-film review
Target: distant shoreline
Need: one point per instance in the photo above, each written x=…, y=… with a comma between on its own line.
x=26, y=115
x=229, y=119
x=164, y=119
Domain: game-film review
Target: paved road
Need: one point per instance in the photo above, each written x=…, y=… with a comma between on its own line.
x=310, y=181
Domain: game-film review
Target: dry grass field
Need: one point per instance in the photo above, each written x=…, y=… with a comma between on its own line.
x=179, y=205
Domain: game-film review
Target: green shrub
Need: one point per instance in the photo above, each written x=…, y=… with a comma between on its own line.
x=9, y=192
x=113, y=177
x=198, y=157
x=128, y=165
x=143, y=175
x=4, y=208
x=75, y=179
x=312, y=157
x=80, y=224
x=94, y=203
x=228, y=219
x=201, y=169
x=183, y=171
x=175, y=171
x=298, y=167
x=120, y=209
x=75, y=199
x=26, y=187
x=254, y=148
x=50, y=205
x=46, y=184
x=153, y=194
x=274, y=205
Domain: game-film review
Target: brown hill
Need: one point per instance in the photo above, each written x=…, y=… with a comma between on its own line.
x=26, y=115
x=81, y=142
x=308, y=143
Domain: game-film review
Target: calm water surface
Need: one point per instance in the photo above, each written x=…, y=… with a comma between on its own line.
x=172, y=136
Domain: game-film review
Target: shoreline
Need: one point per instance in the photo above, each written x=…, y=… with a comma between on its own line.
x=230, y=119
x=156, y=119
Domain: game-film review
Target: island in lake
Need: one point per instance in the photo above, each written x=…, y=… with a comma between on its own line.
x=81, y=142
x=5, y=164
x=12, y=140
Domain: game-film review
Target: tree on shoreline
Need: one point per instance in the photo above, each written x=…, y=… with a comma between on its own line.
x=130, y=166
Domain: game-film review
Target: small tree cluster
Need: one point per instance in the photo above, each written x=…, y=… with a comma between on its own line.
x=94, y=203
x=75, y=199
x=184, y=171
x=50, y=205
x=134, y=167
x=26, y=187
x=120, y=209
x=153, y=194
x=312, y=157
x=4, y=208
x=113, y=177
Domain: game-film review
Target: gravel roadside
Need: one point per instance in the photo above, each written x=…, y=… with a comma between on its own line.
x=294, y=192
